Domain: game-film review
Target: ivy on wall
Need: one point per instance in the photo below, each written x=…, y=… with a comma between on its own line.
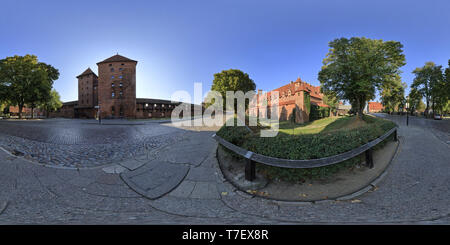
x=307, y=101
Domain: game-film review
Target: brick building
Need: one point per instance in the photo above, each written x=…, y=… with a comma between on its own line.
x=291, y=96
x=375, y=107
x=113, y=93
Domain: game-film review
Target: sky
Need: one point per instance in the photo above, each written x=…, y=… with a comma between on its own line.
x=179, y=43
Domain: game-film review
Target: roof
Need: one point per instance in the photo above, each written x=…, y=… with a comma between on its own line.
x=87, y=72
x=319, y=104
x=154, y=101
x=158, y=101
x=117, y=58
x=75, y=102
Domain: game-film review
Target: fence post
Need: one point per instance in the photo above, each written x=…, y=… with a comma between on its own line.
x=250, y=170
x=369, y=158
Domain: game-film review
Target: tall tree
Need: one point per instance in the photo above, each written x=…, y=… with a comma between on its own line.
x=53, y=103
x=27, y=81
x=331, y=100
x=393, y=95
x=426, y=78
x=354, y=68
x=232, y=80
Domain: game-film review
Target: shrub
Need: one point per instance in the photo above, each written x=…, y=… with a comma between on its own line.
x=307, y=146
x=318, y=112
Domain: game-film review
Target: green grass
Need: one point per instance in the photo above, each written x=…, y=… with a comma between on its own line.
x=321, y=138
x=318, y=126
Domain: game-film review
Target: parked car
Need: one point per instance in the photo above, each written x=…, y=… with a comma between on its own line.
x=437, y=117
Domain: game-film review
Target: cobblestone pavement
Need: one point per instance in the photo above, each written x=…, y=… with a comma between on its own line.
x=83, y=143
x=415, y=190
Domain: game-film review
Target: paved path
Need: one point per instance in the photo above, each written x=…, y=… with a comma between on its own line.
x=178, y=182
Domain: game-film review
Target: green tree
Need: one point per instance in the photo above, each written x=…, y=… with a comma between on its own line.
x=393, y=95
x=232, y=80
x=52, y=104
x=354, y=68
x=331, y=100
x=26, y=80
x=427, y=77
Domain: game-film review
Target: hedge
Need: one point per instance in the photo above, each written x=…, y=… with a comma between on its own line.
x=307, y=146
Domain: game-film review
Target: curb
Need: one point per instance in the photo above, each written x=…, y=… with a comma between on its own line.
x=351, y=196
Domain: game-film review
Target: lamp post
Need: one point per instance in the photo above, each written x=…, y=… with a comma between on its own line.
x=407, y=114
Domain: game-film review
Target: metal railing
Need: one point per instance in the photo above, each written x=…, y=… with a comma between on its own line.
x=252, y=157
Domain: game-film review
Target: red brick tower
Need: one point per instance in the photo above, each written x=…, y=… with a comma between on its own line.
x=117, y=87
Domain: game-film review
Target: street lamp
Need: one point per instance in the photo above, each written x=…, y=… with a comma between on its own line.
x=407, y=114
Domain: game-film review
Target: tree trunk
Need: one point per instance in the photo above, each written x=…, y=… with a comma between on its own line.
x=32, y=112
x=20, y=111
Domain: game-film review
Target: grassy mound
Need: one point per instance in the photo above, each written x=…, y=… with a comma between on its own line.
x=318, y=139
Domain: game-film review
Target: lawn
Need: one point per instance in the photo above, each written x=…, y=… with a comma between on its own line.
x=321, y=138
x=321, y=126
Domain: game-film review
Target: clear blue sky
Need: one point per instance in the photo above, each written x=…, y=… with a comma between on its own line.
x=178, y=43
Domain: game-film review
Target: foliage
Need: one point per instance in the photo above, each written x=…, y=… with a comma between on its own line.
x=25, y=80
x=354, y=68
x=232, y=80
x=307, y=146
x=318, y=112
x=53, y=103
x=429, y=82
x=307, y=101
x=331, y=100
x=393, y=95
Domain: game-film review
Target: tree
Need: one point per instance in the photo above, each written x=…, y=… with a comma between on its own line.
x=26, y=81
x=393, y=95
x=427, y=77
x=232, y=80
x=331, y=100
x=354, y=68
x=53, y=103
x=414, y=100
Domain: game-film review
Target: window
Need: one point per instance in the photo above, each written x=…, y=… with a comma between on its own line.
x=112, y=95
x=146, y=105
x=120, y=76
x=112, y=110
x=112, y=77
x=112, y=85
x=112, y=69
x=121, y=111
x=95, y=87
x=120, y=69
x=120, y=84
x=120, y=94
x=122, y=64
x=110, y=64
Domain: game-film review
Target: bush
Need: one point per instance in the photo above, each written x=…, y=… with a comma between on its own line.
x=318, y=112
x=307, y=146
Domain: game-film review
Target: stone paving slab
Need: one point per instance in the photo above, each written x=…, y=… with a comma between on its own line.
x=155, y=179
